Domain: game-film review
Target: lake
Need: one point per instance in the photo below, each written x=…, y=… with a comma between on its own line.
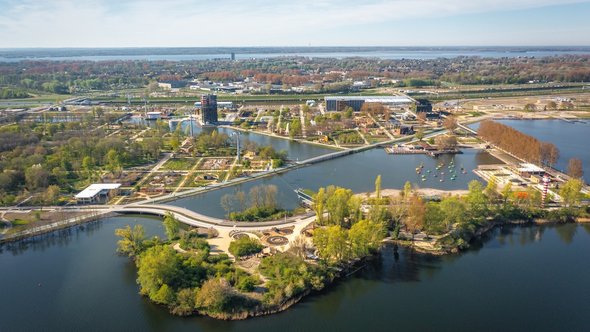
x=190, y=54
x=569, y=137
x=517, y=278
x=531, y=278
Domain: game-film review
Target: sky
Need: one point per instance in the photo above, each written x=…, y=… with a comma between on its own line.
x=193, y=23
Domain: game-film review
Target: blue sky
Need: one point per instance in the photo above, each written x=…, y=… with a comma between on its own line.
x=135, y=23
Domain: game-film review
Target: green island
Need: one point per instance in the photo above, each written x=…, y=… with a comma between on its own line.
x=183, y=274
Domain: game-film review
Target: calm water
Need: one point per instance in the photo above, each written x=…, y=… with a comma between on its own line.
x=519, y=279
x=571, y=139
x=357, y=172
x=260, y=53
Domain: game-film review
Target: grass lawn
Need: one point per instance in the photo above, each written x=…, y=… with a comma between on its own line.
x=179, y=164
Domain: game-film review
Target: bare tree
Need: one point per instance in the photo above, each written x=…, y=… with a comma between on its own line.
x=575, y=168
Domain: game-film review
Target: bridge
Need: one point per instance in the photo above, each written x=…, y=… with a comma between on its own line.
x=196, y=219
x=183, y=215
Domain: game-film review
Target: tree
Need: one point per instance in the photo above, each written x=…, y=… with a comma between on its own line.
x=132, y=240
x=332, y=243
x=113, y=162
x=420, y=134
x=491, y=190
x=228, y=203
x=450, y=123
x=453, y=211
x=157, y=266
x=319, y=200
x=295, y=128
x=414, y=220
x=171, y=226
x=378, y=186
x=434, y=219
x=36, y=177
x=446, y=142
x=337, y=205
x=575, y=168
x=215, y=296
x=551, y=105
x=530, y=107
x=477, y=203
x=88, y=165
x=354, y=209
x=365, y=237
x=507, y=192
x=570, y=192
x=407, y=191
x=51, y=194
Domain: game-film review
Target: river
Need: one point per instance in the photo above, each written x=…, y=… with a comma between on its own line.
x=530, y=278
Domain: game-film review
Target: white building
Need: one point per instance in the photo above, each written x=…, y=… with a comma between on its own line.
x=97, y=192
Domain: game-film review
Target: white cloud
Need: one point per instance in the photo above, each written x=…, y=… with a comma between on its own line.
x=56, y=23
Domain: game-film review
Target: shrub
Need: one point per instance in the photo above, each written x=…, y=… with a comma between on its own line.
x=245, y=246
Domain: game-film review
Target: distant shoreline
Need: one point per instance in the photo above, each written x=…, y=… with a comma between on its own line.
x=241, y=53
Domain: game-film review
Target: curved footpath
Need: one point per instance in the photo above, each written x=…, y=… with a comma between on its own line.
x=183, y=215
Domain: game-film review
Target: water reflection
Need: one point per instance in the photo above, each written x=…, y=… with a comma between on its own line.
x=60, y=238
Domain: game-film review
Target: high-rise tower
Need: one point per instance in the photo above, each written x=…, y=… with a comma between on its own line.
x=209, y=109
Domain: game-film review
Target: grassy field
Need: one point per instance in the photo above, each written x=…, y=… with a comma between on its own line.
x=179, y=164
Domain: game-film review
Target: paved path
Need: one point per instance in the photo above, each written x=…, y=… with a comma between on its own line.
x=387, y=132
x=362, y=136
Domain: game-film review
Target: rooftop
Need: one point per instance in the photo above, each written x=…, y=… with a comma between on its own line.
x=373, y=99
x=95, y=188
x=530, y=168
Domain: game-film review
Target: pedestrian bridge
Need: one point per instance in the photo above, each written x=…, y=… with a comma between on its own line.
x=196, y=219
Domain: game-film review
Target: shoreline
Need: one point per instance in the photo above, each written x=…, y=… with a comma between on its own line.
x=358, y=265
x=302, y=141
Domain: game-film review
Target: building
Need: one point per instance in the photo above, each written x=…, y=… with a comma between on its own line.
x=527, y=170
x=98, y=193
x=208, y=109
x=339, y=103
x=169, y=85
x=220, y=104
x=423, y=106
x=402, y=129
x=153, y=115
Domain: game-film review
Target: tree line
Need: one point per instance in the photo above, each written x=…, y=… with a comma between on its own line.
x=519, y=144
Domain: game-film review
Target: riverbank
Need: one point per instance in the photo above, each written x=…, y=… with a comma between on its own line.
x=303, y=141
x=429, y=245
x=428, y=192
